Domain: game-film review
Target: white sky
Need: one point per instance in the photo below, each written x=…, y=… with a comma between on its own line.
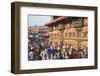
x=38, y=20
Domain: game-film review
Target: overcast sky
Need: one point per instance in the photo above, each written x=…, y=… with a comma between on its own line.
x=38, y=20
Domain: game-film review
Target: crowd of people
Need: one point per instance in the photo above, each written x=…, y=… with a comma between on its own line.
x=44, y=50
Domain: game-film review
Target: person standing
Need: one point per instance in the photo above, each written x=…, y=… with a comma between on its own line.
x=30, y=56
x=81, y=53
x=63, y=51
x=85, y=53
x=30, y=53
x=43, y=55
x=49, y=51
x=73, y=54
x=58, y=53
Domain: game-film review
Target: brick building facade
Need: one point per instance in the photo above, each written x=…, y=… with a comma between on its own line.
x=68, y=30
